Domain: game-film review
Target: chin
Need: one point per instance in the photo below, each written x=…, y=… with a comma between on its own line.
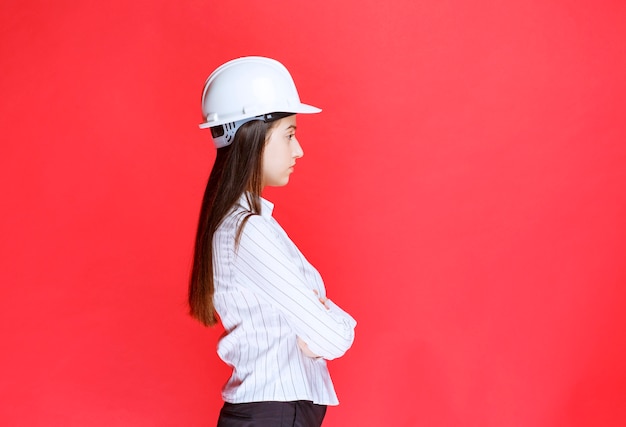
x=279, y=183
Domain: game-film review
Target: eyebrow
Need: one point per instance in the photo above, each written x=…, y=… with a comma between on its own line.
x=294, y=127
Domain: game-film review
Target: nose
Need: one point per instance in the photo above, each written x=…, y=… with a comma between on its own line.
x=297, y=149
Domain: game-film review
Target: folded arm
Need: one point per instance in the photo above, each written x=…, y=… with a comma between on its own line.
x=266, y=266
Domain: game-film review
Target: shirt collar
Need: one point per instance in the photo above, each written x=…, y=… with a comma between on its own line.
x=267, y=207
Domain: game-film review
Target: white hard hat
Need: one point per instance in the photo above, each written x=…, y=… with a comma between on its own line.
x=245, y=89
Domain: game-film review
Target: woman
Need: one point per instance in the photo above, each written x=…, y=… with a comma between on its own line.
x=280, y=328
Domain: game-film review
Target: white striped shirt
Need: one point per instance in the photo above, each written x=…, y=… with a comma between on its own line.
x=264, y=297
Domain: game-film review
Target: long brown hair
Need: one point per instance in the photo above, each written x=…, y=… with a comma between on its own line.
x=238, y=169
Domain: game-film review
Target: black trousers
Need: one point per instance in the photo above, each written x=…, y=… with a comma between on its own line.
x=300, y=413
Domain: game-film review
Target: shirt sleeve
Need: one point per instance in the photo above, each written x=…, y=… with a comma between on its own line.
x=264, y=264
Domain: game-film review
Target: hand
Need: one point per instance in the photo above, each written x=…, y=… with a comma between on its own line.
x=305, y=349
x=321, y=299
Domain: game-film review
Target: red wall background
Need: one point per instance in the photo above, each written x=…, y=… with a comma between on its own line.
x=463, y=194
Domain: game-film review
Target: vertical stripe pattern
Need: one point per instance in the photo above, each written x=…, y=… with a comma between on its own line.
x=265, y=297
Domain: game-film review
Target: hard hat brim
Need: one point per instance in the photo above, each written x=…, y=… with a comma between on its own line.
x=297, y=109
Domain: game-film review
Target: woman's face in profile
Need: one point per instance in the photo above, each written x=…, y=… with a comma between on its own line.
x=280, y=153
